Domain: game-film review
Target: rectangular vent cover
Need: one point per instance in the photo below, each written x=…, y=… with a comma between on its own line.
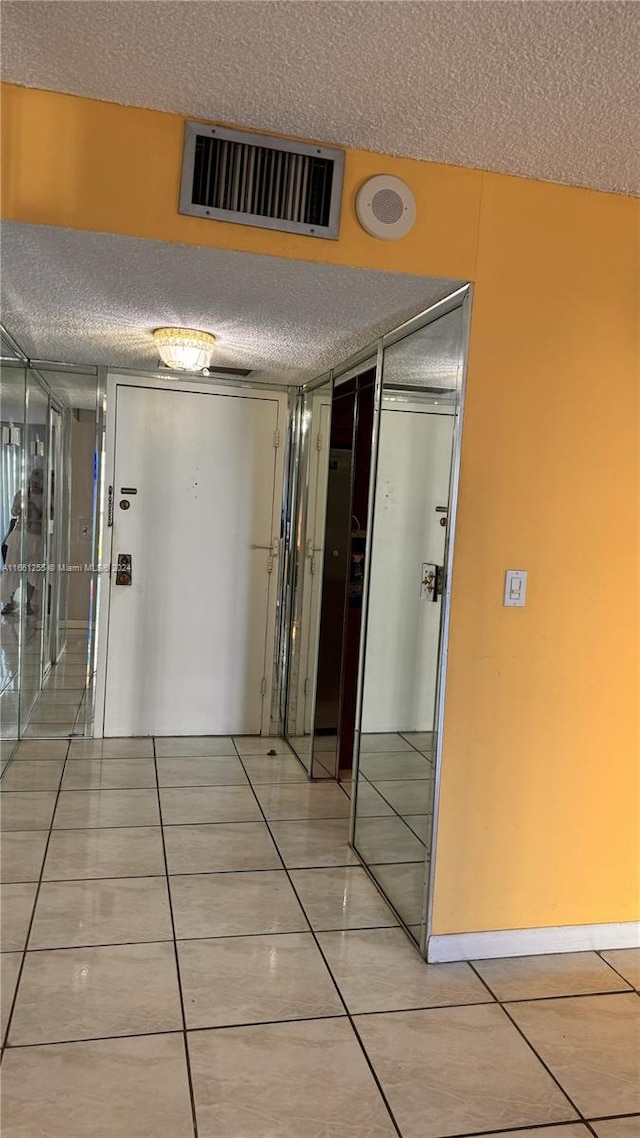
x=253, y=179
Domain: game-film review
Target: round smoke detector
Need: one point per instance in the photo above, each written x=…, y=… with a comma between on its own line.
x=386, y=207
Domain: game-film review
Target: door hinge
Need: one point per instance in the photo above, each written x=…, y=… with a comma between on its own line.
x=276, y=438
x=263, y=686
x=110, y=507
x=306, y=686
x=319, y=442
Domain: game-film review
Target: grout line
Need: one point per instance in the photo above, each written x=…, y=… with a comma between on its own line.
x=5, y=1037
x=599, y=952
x=220, y=936
x=176, y=959
x=530, y=1045
x=174, y=1031
x=326, y=963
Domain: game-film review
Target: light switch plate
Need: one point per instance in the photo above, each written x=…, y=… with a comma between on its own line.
x=515, y=588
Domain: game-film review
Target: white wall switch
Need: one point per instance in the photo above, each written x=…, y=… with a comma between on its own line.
x=515, y=588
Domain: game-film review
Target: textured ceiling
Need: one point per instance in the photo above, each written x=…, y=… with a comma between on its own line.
x=536, y=87
x=88, y=298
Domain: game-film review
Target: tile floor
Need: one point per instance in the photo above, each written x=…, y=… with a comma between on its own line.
x=64, y=704
x=190, y=948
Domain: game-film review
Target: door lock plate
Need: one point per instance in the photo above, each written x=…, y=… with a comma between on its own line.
x=123, y=569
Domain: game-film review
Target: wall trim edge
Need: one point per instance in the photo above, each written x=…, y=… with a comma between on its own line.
x=532, y=942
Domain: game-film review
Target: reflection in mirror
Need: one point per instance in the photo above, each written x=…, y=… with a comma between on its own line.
x=313, y=444
x=48, y=499
x=395, y=782
x=12, y=415
x=343, y=573
x=34, y=508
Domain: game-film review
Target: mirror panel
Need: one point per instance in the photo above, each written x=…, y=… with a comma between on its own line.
x=393, y=815
x=12, y=433
x=314, y=426
x=34, y=515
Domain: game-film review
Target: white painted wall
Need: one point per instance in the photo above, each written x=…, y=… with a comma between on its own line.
x=401, y=657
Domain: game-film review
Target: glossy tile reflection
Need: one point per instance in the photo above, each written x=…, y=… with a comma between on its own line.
x=233, y=925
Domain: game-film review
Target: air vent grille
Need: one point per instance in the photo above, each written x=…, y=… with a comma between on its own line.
x=256, y=180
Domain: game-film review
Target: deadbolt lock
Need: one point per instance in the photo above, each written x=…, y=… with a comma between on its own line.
x=123, y=569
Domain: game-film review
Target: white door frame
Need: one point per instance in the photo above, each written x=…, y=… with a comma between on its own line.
x=115, y=380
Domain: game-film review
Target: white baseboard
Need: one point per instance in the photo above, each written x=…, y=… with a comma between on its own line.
x=532, y=942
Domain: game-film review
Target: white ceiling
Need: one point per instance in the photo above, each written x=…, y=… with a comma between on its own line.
x=91, y=298
x=542, y=88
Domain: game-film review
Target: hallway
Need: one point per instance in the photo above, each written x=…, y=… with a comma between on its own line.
x=197, y=951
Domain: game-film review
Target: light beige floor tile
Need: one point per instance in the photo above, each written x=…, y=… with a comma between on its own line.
x=109, y=774
x=247, y=745
x=592, y=1046
x=284, y=801
x=16, y=905
x=49, y=715
x=187, y=771
x=21, y=854
x=255, y=979
x=459, y=1070
x=85, y=993
x=75, y=914
x=303, y=1080
x=220, y=847
x=560, y=974
x=384, y=743
x=194, y=745
x=407, y=796
x=109, y=1088
x=312, y=844
x=32, y=775
x=39, y=730
x=84, y=809
x=341, y=899
x=62, y=698
x=626, y=961
x=323, y=743
x=398, y=765
x=422, y=740
x=27, y=810
x=370, y=804
x=232, y=904
x=139, y=748
x=121, y=852
x=617, y=1127
x=194, y=805
x=387, y=840
x=42, y=749
x=378, y=970
x=9, y=969
x=571, y=1130
x=263, y=770
x=421, y=824
x=405, y=886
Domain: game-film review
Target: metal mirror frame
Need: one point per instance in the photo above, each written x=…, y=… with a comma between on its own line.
x=460, y=299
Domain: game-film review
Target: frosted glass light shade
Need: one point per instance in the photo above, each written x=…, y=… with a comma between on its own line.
x=184, y=348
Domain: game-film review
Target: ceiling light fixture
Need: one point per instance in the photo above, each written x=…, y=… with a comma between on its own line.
x=185, y=349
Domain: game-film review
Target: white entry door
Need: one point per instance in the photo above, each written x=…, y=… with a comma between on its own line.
x=194, y=486
x=403, y=631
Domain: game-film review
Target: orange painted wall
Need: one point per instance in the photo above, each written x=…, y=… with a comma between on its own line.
x=540, y=805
